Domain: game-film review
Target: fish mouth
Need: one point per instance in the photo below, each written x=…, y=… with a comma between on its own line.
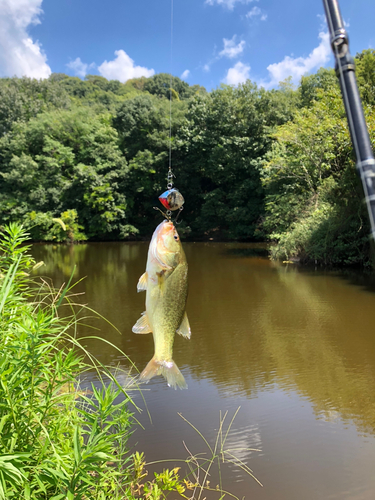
x=167, y=228
x=169, y=224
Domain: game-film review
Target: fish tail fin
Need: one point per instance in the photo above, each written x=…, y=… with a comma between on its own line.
x=168, y=369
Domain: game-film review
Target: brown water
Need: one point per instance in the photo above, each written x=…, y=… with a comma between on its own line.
x=293, y=348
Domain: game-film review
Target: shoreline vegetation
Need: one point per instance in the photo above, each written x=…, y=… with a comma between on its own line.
x=62, y=438
x=85, y=160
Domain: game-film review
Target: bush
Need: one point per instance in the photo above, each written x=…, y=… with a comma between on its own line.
x=45, y=227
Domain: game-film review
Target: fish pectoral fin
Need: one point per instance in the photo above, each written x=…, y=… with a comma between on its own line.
x=161, y=277
x=142, y=283
x=142, y=325
x=184, y=328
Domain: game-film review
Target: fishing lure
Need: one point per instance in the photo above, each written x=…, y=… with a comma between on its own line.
x=172, y=199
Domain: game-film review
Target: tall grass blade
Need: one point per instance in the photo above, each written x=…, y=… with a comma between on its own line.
x=66, y=288
x=7, y=283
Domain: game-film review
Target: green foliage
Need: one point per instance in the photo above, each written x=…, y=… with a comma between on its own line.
x=56, y=440
x=45, y=227
x=311, y=86
x=221, y=146
x=160, y=85
x=365, y=70
x=24, y=98
x=142, y=123
x=314, y=208
x=143, y=127
x=164, y=482
x=95, y=91
x=67, y=160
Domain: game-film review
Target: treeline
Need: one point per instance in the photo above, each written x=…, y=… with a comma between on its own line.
x=87, y=159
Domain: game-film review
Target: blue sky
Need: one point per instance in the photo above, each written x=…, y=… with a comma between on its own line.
x=214, y=41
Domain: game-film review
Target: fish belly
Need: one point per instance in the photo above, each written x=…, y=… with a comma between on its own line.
x=165, y=307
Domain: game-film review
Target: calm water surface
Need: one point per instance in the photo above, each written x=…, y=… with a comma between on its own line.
x=293, y=348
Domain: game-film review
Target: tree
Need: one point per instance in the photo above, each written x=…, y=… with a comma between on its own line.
x=23, y=98
x=221, y=147
x=160, y=85
x=143, y=126
x=323, y=80
x=63, y=160
x=365, y=70
x=314, y=206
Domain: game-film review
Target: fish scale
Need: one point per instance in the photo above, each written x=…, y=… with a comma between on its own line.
x=169, y=311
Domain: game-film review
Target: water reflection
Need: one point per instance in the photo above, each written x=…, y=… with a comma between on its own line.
x=253, y=323
x=295, y=348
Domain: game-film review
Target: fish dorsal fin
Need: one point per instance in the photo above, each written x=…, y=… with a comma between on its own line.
x=184, y=329
x=142, y=325
x=142, y=283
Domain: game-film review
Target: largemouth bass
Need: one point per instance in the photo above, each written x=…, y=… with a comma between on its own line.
x=166, y=285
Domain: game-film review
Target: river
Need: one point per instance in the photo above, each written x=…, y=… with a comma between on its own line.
x=292, y=348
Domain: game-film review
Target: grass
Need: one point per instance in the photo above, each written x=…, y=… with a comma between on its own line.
x=58, y=441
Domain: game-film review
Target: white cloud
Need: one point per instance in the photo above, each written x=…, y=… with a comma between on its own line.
x=256, y=11
x=228, y=3
x=185, y=74
x=232, y=50
x=122, y=68
x=238, y=74
x=298, y=66
x=19, y=54
x=80, y=68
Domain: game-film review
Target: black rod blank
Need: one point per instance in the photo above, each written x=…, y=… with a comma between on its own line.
x=345, y=71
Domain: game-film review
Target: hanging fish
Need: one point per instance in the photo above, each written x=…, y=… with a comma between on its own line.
x=166, y=286
x=172, y=199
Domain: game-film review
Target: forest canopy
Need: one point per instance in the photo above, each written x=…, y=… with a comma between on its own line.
x=87, y=159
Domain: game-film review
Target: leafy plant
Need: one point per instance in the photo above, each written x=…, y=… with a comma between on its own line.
x=314, y=208
x=57, y=441
x=45, y=227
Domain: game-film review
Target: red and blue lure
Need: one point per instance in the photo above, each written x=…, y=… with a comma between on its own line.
x=172, y=199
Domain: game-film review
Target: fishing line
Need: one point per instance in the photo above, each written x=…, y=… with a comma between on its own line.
x=171, y=199
x=170, y=173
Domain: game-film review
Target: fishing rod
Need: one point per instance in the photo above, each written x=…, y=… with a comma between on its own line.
x=345, y=70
